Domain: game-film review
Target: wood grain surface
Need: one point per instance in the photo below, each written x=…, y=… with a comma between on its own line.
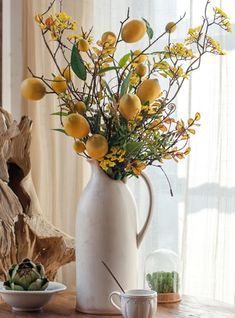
x=63, y=305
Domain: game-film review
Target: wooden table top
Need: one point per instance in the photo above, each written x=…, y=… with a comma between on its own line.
x=63, y=305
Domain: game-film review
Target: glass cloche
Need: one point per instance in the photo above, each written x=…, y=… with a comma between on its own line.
x=162, y=275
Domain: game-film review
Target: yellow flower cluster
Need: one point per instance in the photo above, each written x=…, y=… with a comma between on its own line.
x=104, y=54
x=134, y=79
x=149, y=109
x=214, y=46
x=177, y=72
x=224, y=19
x=193, y=35
x=136, y=167
x=116, y=155
x=165, y=69
x=161, y=65
x=220, y=12
x=56, y=23
x=138, y=58
x=179, y=50
x=175, y=154
x=77, y=37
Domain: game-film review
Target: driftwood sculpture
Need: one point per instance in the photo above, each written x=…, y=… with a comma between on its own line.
x=24, y=232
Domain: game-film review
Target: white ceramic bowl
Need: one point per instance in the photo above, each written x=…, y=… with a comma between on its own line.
x=30, y=300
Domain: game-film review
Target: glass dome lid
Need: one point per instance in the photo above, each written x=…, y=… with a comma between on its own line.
x=162, y=260
x=162, y=275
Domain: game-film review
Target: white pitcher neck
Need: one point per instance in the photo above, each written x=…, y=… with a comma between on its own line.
x=98, y=172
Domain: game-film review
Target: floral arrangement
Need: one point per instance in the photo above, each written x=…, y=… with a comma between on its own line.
x=115, y=108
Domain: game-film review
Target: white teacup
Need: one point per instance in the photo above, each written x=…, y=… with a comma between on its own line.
x=136, y=303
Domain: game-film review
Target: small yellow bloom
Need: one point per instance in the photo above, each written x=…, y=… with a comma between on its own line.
x=220, y=12
x=87, y=36
x=193, y=35
x=74, y=26
x=179, y=50
x=106, y=164
x=215, y=46
x=134, y=79
x=162, y=65
x=115, y=156
x=136, y=167
x=63, y=16
x=223, y=18
x=74, y=37
x=178, y=72
x=42, y=26
x=38, y=18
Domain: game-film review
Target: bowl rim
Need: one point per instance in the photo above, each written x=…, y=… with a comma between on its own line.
x=56, y=287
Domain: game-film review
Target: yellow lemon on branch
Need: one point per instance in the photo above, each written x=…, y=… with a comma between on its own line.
x=59, y=84
x=129, y=106
x=33, y=89
x=141, y=69
x=133, y=31
x=80, y=107
x=83, y=45
x=148, y=91
x=170, y=27
x=79, y=146
x=76, y=126
x=97, y=146
x=67, y=73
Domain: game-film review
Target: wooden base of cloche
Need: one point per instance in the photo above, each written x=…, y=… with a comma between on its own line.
x=166, y=298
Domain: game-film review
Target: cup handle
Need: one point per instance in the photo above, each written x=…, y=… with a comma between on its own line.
x=112, y=301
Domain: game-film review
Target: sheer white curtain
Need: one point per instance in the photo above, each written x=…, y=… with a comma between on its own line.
x=199, y=221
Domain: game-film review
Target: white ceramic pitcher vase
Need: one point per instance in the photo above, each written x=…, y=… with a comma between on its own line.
x=106, y=230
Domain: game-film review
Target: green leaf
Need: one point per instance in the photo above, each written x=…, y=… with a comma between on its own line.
x=125, y=84
x=122, y=62
x=59, y=114
x=108, y=89
x=87, y=100
x=133, y=147
x=192, y=131
x=107, y=69
x=60, y=130
x=77, y=64
x=149, y=29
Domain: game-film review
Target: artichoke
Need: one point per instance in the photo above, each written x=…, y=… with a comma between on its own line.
x=26, y=276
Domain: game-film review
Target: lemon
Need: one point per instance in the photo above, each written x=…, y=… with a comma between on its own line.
x=83, y=45
x=97, y=146
x=141, y=69
x=76, y=126
x=67, y=73
x=108, y=37
x=129, y=106
x=79, y=146
x=170, y=27
x=59, y=84
x=133, y=31
x=80, y=107
x=33, y=89
x=149, y=90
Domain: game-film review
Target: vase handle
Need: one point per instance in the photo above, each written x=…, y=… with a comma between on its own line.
x=142, y=232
